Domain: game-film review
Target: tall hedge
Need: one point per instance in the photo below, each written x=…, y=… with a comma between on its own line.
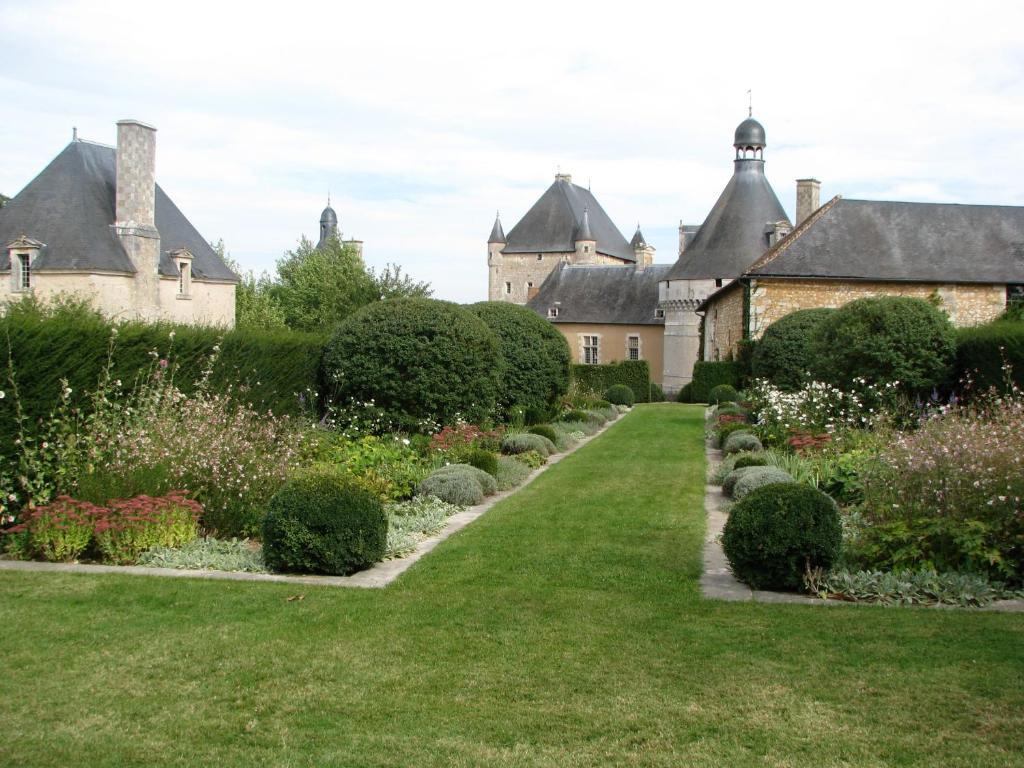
x=885, y=339
x=266, y=369
x=535, y=354
x=982, y=351
x=635, y=374
x=783, y=355
x=708, y=374
x=416, y=359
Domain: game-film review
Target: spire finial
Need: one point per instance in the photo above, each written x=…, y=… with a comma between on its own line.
x=328, y=198
x=750, y=102
x=74, y=133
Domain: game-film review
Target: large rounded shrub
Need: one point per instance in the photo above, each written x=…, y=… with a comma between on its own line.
x=741, y=441
x=481, y=477
x=525, y=441
x=620, y=394
x=885, y=339
x=784, y=354
x=319, y=522
x=544, y=430
x=779, y=531
x=536, y=356
x=415, y=359
x=758, y=477
x=723, y=393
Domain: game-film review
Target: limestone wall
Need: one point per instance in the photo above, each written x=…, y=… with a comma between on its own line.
x=723, y=324
x=521, y=269
x=679, y=300
x=613, y=343
x=207, y=304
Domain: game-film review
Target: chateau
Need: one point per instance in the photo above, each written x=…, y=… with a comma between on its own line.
x=95, y=224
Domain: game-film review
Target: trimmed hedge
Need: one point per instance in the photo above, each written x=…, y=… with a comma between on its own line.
x=417, y=359
x=981, y=352
x=783, y=355
x=536, y=356
x=709, y=374
x=321, y=523
x=620, y=394
x=635, y=374
x=270, y=370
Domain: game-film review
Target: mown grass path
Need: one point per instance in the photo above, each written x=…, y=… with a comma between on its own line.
x=563, y=628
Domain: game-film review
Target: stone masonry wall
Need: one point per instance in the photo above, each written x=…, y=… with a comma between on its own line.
x=520, y=269
x=723, y=325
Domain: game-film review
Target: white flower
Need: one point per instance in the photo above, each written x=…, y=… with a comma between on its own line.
x=405, y=441
x=170, y=335
x=2, y=395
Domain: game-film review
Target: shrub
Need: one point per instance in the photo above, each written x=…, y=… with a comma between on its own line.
x=535, y=353
x=635, y=374
x=741, y=441
x=657, y=393
x=730, y=409
x=723, y=393
x=783, y=355
x=780, y=531
x=523, y=442
x=409, y=522
x=416, y=360
x=460, y=488
x=57, y=532
x=531, y=459
x=207, y=553
x=982, y=352
x=482, y=478
x=620, y=394
x=730, y=480
x=387, y=465
x=685, y=394
x=885, y=339
x=967, y=590
x=134, y=525
x=750, y=460
x=483, y=460
x=321, y=523
x=511, y=473
x=707, y=375
x=566, y=435
x=544, y=430
x=722, y=431
x=758, y=477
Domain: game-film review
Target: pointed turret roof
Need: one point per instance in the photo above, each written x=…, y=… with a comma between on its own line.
x=638, y=239
x=553, y=224
x=735, y=233
x=497, y=233
x=584, y=232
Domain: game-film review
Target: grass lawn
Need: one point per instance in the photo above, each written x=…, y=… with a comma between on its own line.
x=563, y=628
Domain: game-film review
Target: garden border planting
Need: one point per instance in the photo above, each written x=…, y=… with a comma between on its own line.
x=379, y=575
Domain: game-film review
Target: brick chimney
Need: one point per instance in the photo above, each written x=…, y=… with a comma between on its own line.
x=135, y=211
x=808, y=199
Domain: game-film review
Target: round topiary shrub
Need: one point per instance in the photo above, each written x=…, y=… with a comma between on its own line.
x=741, y=441
x=483, y=460
x=729, y=409
x=885, y=339
x=779, y=531
x=535, y=353
x=574, y=416
x=484, y=479
x=723, y=393
x=620, y=394
x=522, y=442
x=415, y=359
x=729, y=483
x=460, y=488
x=722, y=431
x=544, y=430
x=318, y=522
x=783, y=354
x=750, y=460
x=757, y=477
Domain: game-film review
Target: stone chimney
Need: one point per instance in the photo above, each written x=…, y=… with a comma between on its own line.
x=808, y=199
x=135, y=212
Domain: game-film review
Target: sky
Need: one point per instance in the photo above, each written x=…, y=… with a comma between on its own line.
x=423, y=119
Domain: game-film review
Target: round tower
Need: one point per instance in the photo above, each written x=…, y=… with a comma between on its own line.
x=494, y=261
x=328, y=224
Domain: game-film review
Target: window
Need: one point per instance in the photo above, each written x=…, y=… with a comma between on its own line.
x=590, y=350
x=659, y=314
x=586, y=249
x=540, y=256
x=718, y=283
x=633, y=347
x=508, y=288
x=552, y=311
x=21, y=272
x=184, y=278
x=1014, y=296
x=529, y=284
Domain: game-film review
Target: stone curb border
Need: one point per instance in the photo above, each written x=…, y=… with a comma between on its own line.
x=380, y=575
x=718, y=583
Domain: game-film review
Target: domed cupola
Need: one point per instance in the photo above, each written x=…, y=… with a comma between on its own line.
x=749, y=140
x=328, y=224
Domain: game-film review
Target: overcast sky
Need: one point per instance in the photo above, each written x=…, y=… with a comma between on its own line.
x=423, y=119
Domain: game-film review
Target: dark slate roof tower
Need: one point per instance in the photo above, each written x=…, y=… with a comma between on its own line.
x=328, y=224
x=739, y=227
x=497, y=233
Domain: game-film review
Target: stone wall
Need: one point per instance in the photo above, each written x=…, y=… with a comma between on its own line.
x=723, y=324
x=613, y=342
x=521, y=269
x=679, y=300
x=208, y=303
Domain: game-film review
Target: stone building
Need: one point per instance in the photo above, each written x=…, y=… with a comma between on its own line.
x=95, y=224
x=745, y=221
x=968, y=258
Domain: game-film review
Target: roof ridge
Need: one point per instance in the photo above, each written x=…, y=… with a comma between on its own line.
x=94, y=143
x=776, y=250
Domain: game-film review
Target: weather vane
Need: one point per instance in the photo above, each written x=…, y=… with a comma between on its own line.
x=750, y=102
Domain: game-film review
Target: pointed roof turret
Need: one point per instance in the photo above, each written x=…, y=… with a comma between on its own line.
x=497, y=233
x=584, y=233
x=638, y=238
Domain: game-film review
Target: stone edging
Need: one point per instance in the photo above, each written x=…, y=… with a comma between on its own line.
x=718, y=583
x=380, y=575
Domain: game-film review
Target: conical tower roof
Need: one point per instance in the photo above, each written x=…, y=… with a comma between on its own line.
x=584, y=232
x=638, y=238
x=497, y=233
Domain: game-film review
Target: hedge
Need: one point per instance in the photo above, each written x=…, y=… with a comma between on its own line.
x=783, y=355
x=709, y=374
x=981, y=352
x=267, y=369
x=636, y=374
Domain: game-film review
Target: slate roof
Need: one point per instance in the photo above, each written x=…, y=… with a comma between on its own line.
x=895, y=241
x=552, y=224
x=69, y=206
x=601, y=294
x=497, y=233
x=734, y=234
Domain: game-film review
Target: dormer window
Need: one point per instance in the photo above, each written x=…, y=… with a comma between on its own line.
x=183, y=261
x=552, y=312
x=22, y=254
x=659, y=314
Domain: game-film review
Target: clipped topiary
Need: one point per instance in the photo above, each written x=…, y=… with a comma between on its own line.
x=722, y=431
x=483, y=460
x=416, y=359
x=885, y=339
x=685, y=394
x=318, y=522
x=750, y=460
x=544, y=430
x=723, y=393
x=522, y=442
x=741, y=441
x=460, y=488
x=535, y=353
x=484, y=479
x=779, y=531
x=729, y=409
x=657, y=393
x=783, y=355
x=757, y=477
x=729, y=483
x=620, y=394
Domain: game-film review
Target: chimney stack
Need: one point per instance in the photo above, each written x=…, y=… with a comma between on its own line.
x=135, y=194
x=808, y=199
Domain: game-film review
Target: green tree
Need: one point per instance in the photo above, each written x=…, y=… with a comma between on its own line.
x=390, y=283
x=255, y=304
